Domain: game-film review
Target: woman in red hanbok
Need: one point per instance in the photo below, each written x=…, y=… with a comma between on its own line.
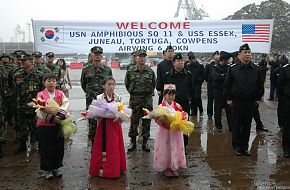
x=108, y=152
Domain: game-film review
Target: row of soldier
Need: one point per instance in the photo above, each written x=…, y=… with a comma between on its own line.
x=21, y=80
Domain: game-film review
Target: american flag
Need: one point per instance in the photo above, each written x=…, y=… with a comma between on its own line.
x=256, y=32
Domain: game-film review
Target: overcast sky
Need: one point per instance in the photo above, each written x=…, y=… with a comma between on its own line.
x=21, y=12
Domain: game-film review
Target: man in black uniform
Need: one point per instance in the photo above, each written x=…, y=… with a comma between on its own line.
x=182, y=80
x=196, y=70
x=284, y=88
x=219, y=73
x=243, y=89
x=163, y=67
x=208, y=78
x=274, y=64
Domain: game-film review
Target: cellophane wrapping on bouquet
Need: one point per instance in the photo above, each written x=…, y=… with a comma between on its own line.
x=100, y=108
x=176, y=121
x=68, y=127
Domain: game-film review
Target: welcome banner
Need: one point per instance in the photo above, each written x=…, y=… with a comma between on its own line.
x=63, y=37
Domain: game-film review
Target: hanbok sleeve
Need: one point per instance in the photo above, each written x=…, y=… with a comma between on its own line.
x=65, y=104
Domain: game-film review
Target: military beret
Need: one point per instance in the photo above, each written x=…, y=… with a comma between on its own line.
x=225, y=55
x=49, y=54
x=191, y=55
x=244, y=47
x=169, y=48
x=5, y=55
x=141, y=52
x=37, y=54
x=96, y=49
x=177, y=56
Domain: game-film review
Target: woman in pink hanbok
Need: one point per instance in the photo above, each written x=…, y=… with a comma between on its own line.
x=169, y=154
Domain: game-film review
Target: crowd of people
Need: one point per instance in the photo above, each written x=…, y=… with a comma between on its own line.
x=234, y=83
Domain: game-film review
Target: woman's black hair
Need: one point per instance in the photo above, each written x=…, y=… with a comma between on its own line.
x=49, y=76
x=169, y=91
x=63, y=65
x=109, y=78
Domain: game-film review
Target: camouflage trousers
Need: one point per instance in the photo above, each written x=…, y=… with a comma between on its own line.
x=92, y=122
x=26, y=125
x=137, y=103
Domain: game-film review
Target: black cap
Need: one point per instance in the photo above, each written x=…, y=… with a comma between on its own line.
x=18, y=53
x=177, y=56
x=49, y=54
x=225, y=55
x=5, y=55
x=191, y=55
x=169, y=48
x=97, y=49
x=244, y=47
x=37, y=54
x=141, y=52
x=235, y=53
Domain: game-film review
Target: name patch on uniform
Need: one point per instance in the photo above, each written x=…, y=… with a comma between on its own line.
x=19, y=79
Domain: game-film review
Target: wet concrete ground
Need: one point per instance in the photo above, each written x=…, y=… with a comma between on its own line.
x=211, y=161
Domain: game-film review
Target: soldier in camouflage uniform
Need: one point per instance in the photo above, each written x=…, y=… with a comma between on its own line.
x=2, y=129
x=140, y=83
x=55, y=69
x=27, y=82
x=37, y=63
x=7, y=97
x=92, y=79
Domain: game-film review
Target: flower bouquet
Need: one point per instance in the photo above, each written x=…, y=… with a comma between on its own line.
x=172, y=121
x=49, y=106
x=100, y=108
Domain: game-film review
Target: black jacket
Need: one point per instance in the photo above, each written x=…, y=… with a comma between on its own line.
x=244, y=81
x=196, y=70
x=182, y=80
x=274, y=65
x=207, y=72
x=219, y=73
x=264, y=69
x=162, y=68
x=284, y=80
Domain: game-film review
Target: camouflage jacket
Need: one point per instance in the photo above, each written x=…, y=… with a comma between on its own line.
x=42, y=68
x=92, y=79
x=2, y=85
x=140, y=82
x=27, y=85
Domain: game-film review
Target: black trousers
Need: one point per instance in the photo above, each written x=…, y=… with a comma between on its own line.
x=242, y=119
x=196, y=102
x=219, y=103
x=286, y=124
x=51, y=147
x=257, y=118
x=209, y=99
x=280, y=110
x=186, y=107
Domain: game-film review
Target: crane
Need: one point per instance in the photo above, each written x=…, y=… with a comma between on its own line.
x=191, y=10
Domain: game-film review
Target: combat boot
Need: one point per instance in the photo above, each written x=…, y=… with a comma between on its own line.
x=145, y=146
x=21, y=148
x=1, y=152
x=132, y=145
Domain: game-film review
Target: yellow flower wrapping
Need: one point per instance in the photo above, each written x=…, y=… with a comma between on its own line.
x=68, y=128
x=121, y=108
x=186, y=127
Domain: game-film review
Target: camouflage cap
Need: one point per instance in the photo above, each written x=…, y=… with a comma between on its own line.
x=37, y=54
x=49, y=54
x=133, y=53
x=177, y=56
x=5, y=55
x=96, y=49
x=25, y=57
x=140, y=52
x=18, y=53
